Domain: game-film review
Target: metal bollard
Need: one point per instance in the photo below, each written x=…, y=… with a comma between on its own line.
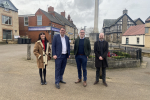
x=28, y=51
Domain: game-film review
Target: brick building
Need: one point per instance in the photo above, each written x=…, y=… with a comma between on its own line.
x=42, y=21
x=115, y=28
x=9, y=27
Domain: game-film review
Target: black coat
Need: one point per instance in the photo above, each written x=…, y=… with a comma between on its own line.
x=97, y=51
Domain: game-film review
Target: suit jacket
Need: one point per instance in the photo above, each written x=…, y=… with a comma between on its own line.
x=97, y=51
x=57, y=46
x=87, y=46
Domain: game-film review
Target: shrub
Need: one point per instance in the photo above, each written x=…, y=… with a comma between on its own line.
x=126, y=55
x=90, y=56
x=71, y=51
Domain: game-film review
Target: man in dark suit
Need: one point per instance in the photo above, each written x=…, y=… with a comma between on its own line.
x=82, y=50
x=101, y=50
x=60, y=52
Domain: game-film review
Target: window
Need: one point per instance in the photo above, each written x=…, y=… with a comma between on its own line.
x=6, y=20
x=119, y=27
x=146, y=30
x=119, y=23
x=7, y=34
x=111, y=35
x=130, y=23
x=39, y=20
x=127, y=40
x=138, y=40
x=118, y=35
x=25, y=21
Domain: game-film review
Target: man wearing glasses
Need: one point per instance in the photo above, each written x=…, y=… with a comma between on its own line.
x=82, y=50
x=60, y=52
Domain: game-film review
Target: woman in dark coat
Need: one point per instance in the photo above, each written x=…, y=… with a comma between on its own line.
x=42, y=52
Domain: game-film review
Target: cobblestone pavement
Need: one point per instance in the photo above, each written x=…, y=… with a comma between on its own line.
x=19, y=80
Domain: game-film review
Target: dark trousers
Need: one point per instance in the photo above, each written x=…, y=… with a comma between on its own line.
x=60, y=64
x=44, y=73
x=81, y=60
x=103, y=73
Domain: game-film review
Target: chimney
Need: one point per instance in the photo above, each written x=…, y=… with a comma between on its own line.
x=125, y=11
x=51, y=10
x=69, y=17
x=63, y=13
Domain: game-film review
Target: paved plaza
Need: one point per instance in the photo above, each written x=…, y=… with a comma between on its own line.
x=20, y=80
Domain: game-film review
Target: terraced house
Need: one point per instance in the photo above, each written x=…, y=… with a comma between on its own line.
x=9, y=23
x=48, y=22
x=67, y=22
x=115, y=28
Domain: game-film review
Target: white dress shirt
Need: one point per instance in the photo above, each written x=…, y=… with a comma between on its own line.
x=64, y=47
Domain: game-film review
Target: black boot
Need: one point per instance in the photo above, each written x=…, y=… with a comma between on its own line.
x=44, y=73
x=42, y=83
x=45, y=82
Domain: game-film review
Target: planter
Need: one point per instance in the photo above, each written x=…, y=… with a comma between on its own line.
x=20, y=40
x=23, y=41
x=28, y=41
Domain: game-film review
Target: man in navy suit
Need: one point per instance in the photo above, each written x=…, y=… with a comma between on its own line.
x=60, y=52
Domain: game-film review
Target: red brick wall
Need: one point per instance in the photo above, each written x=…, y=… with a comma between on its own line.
x=34, y=35
x=23, y=30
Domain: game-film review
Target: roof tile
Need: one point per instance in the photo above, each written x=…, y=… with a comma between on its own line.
x=135, y=30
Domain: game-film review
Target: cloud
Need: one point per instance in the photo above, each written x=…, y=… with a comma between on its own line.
x=82, y=11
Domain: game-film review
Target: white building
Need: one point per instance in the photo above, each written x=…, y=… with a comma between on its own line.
x=134, y=36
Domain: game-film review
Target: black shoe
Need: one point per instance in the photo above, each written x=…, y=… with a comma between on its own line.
x=62, y=82
x=105, y=84
x=96, y=82
x=57, y=86
x=45, y=82
x=42, y=83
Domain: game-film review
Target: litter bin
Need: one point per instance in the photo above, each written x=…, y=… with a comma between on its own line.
x=19, y=40
x=28, y=41
x=24, y=41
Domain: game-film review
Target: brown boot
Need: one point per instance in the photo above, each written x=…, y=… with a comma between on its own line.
x=79, y=80
x=105, y=84
x=96, y=82
x=84, y=84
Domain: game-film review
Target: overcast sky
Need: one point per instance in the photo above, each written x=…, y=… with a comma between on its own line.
x=82, y=11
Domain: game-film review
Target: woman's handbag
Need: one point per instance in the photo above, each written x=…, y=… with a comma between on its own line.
x=49, y=57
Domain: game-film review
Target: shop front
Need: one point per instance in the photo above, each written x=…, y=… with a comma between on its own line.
x=33, y=32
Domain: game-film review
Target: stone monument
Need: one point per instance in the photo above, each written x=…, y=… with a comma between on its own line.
x=95, y=35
